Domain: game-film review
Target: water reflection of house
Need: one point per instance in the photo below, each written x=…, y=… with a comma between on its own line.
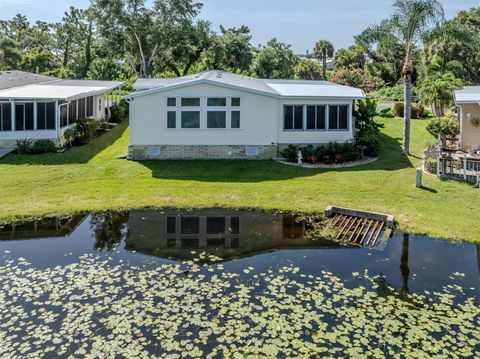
x=215, y=231
x=41, y=228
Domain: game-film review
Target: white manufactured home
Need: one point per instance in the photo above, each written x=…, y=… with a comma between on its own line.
x=217, y=114
x=40, y=107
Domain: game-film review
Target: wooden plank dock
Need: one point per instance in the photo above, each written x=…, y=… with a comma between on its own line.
x=359, y=227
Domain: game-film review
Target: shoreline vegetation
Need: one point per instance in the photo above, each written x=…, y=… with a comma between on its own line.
x=92, y=179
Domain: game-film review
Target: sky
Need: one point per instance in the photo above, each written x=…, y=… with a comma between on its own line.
x=297, y=22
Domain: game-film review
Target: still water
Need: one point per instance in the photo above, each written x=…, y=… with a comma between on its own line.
x=219, y=283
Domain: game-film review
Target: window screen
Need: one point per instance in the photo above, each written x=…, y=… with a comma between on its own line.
x=293, y=117
x=5, y=117
x=315, y=117
x=235, y=119
x=190, y=119
x=171, y=119
x=216, y=119
x=217, y=101
x=190, y=101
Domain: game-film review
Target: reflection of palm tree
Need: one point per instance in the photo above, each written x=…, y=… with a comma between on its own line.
x=404, y=269
x=109, y=229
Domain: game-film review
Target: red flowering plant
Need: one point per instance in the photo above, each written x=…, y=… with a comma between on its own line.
x=355, y=78
x=312, y=159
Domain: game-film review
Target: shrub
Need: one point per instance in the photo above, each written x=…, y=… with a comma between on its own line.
x=24, y=146
x=443, y=127
x=44, y=146
x=337, y=153
x=119, y=112
x=308, y=151
x=417, y=110
x=290, y=153
x=85, y=128
x=387, y=113
x=69, y=135
x=102, y=124
x=393, y=93
x=431, y=165
x=365, y=115
x=354, y=77
x=331, y=153
x=370, y=139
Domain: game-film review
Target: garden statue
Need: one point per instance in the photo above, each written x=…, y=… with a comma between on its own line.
x=299, y=157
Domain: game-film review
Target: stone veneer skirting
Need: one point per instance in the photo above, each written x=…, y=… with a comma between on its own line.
x=196, y=152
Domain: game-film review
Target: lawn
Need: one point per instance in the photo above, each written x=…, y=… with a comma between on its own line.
x=91, y=178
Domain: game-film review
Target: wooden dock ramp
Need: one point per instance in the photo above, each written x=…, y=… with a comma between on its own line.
x=359, y=227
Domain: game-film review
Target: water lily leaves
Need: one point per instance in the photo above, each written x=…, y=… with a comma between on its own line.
x=97, y=307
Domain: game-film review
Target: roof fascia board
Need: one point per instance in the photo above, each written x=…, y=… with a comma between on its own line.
x=325, y=97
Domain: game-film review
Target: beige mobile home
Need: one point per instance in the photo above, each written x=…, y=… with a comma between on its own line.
x=468, y=103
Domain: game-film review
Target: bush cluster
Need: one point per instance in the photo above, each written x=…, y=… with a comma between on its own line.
x=119, y=112
x=417, y=111
x=371, y=139
x=443, y=127
x=328, y=154
x=84, y=130
x=39, y=146
x=392, y=93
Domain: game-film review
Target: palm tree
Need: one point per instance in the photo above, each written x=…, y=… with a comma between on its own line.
x=413, y=19
x=323, y=50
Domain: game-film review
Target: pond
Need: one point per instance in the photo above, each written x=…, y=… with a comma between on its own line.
x=216, y=283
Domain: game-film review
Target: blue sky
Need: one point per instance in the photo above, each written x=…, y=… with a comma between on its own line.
x=298, y=22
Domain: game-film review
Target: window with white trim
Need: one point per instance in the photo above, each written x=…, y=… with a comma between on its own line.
x=24, y=116
x=203, y=112
x=190, y=101
x=338, y=117
x=5, y=116
x=216, y=102
x=316, y=118
x=46, y=115
x=217, y=119
x=293, y=117
x=171, y=102
x=190, y=119
x=235, y=120
x=171, y=119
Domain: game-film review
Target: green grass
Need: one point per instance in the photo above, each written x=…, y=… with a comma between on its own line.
x=92, y=179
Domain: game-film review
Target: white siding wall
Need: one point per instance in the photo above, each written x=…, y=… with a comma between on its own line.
x=148, y=119
x=313, y=137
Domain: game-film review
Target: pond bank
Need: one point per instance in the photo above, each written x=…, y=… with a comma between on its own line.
x=91, y=178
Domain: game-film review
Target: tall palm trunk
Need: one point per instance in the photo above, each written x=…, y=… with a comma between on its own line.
x=407, y=79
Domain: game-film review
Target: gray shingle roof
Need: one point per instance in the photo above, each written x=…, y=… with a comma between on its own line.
x=15, y=78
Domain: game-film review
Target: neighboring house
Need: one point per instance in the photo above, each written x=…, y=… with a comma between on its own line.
x=330, y=62
x=40, y=107
x=468, y=104
x=218, y=114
